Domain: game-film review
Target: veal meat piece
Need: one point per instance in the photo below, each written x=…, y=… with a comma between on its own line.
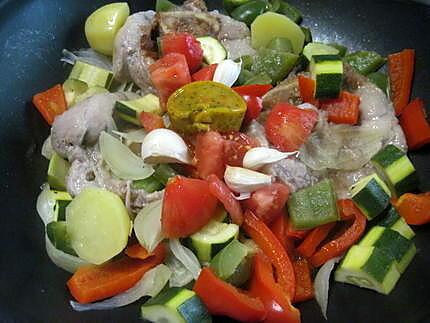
x=196, y=23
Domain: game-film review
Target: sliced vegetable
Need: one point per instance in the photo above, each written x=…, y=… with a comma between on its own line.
x=98, y=225
x=149, y=185
x=288, y=127
x=63, y=260
x=181, y=276
x=279, y=227
x=313, y=206
x=401, y=72
x=209, y=154
x=343, y=110
x=221, y=298
x=136, y=251
x=371, y=195
x=368, y=267
x=103, y=24
x=201, y=106
x=270, y=25
x=310, y=244
x=312, y=49
x=185, y=256
x=280, y=44
x=339, y=245
x=415, y=124
x=293, y=233
x=365, y=62
x=277, y=65
x=50, y=103
x=213, y=51
x=322, y=285
x=227, y=72
x=414, y=208
x=121, y=160
x=260, y=78
x=327, y=71
x=242, y=180
x=304, y=285
x=342, y=49
x=131, y=110
x=51, y=205
x=395, y=222
x=57, y=234
x=175, y=305
x=257, y=157
x=151, y=121
x=91, y=75
x=93, y=283
x=74, y=90
x=308, y=34
x=394, y=166
x=253, y=90
x=403, y=250
x=212, y=238
x=205, y=74
x=248, y=11
x=380, y=79
x=188, y=206
x=163, y=173
x=57, y=172
x=307, y=90
x=147, y=226
x=185, y=44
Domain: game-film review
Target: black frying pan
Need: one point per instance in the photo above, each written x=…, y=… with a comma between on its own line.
x=32, y=34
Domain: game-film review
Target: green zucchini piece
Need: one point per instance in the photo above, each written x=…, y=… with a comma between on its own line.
x=371, y=195
x=308, y=35
x=91, y=75
x=57, y=171
x=312, y=49
x=212, y=238
x=164, y=5
x=394, y=166
x=281, y=44
x=290, y=11
x=395, y=222
x=62, y=199
x=368, y=267
x=380, y=80
x=229, y=5
x=275, y=64
x=213, y=51
x=342, y=49
x=313, y=206
x=402, y=249
x=175, y=305
x=130, y=110
x=233, y=263
x=365, y=62
x=57, y=234
x=72, y=89
x=327, y=71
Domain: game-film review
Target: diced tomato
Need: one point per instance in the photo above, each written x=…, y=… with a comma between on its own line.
x=209, y=154
x=288, y=127
x=151, y=121
x=169, y=74
x=344, y=109
x=188, y=206
x=205, y=74
x=185, y=44
x=253, y=89
x=268, y=202
x=307, y=90
x=254, y=105
x=236, y=146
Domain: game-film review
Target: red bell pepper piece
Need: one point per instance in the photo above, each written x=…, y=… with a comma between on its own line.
x=252, y=95
x=151, y=121
x=205, y=74
x=279, y=229
x=344, y=109
x=304, y=285
x=414, y=208
x=272, y=248
x=221, y=298
x=253, y=89
x=264, y=286
x=401, y=72
x=339, y=245
x=307, y=90
x=50, y=103
x=291, y=232
x=310, y=244
x=415, y=125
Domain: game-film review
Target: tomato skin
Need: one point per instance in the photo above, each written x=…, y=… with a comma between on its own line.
x=236, y=146
x=288, y=127
x=205, y=74
x=268, y=202
x=185, y=44
x=151, y=121
x=209, y=154
x=169, y=73
x=253, y=89
x=254, y=106
x=188, y=206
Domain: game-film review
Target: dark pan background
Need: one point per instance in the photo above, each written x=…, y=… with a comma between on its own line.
x=32, y=34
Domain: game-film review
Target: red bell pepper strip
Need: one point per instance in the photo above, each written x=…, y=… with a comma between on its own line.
x=264, y=286
x=307, y=90
x=310, y=244
x=272, y=248
x=339, y=245
x=136, y=251
x=221, y=191
x=50, y=103
x=304, y=285
x=414, y=208
x=205, y=74
x=343, y=110
x=252, y=95
x=291, y=232
x=151, y=121
x=415, y=125
x=253, y=89
x=279, y=229
x=401, y=72
x=221, y=298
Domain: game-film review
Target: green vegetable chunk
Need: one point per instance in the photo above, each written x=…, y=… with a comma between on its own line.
x=249, y=11
x=380, y=80
x=312, y=49
x=213, y=51
x=164, y=5
x=342, y=49
x=313, y=206
x=308, y=34
x=365, y=62
x=327, y=71
x=130, y=110
x=395, y=222
x=230, y=5
x=275, y=64
x=149, y=185
x=57, y=171
x=281, y=44
x=92, y=75
x=290, y=11
x=57, y=234
x=261, y=78
x=62, y=199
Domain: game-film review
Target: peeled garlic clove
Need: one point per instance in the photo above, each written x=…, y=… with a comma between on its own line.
x=242, y=180
x=255, y=158
x=227, y=72
x=164, y=146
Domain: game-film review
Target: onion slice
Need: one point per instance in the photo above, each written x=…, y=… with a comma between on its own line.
x=181, y=276
x=131, y=137
x=45, y=204
x=227, y=72
x=121, y=160
x=186, y=257
x=241, y=196
x=47, y=150
x=150, y=284
x=147, y=225
x=63, y=260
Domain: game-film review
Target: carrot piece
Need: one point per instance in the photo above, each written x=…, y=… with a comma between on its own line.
x=136, y=251
x=415, y=125
x=92, y=283
x=50, y=103
x=343, y=110
x=304, y=285
x=401, y=72
x=310, y=244
x=307, y=90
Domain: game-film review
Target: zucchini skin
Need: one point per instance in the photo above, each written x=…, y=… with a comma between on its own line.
x=372, y=200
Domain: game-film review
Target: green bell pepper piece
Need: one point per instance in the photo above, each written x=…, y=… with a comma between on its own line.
x=281, y=44
x=164, y=5
x=365, y=62
x=308, y=35
x=290, y=11
x=277, y=65
x=380, y=80
x=249, y=11
x=342, y=49
x=230, y=5
x=261, y=78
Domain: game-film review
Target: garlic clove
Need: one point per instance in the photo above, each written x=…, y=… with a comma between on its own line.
x=242, y=180
x=255, y=158
x=227, y=72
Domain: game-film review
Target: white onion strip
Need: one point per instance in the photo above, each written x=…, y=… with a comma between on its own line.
x=63, y=260
x=186, y=257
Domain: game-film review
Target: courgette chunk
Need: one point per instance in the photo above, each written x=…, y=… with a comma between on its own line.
x=91, y=75
x=213, y=51
x=130, y=110
x=395, y=222
x=57, y=171
x=62, y=200
x=327, y=71
x=312, y=49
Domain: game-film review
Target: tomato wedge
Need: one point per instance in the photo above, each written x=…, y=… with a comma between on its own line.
x=222, y=298
x=209, y=154
x=205, y=74
x=235, y=147
x=188, y=206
